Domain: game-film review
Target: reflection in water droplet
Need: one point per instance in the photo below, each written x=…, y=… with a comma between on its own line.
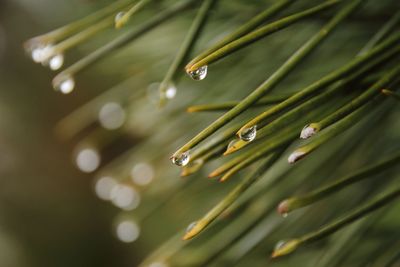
x=88, y=160
x=112, y=116
x=104, y=186
x=248, y=134
x=64, y=84
x=199, y=74
x=125, y=197
x=190, y=227
x=118, y=16
x=128, y=231
x=56, y=62
x=142, y=174
x=182, y=159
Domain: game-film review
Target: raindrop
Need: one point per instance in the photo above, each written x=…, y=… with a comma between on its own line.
x=295, y=156
x=248, y=134
x=142, y=174
x=156, y=92
x=128, y=231
x=307, y=131
x=88, y=160
x=41, y=53
x=182, y=159
x=199, y=74
x=104, y=186
x=190, y=227
x=119, y=16
x=65, y=85
x=112, y=116
x=280, y=244
x=125, y=197
x=56, y=62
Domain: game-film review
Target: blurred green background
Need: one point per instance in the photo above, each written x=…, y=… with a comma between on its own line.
x=49, y=214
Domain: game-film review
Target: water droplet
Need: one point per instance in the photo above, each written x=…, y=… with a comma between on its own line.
x=64, y=84
x=182, y=159
x=190, y=227
x=295, y=156
x=118, y=16
x=142, y=174
x=128, y=231
x=112, y=116
x=170, y=92
x=248, y=134
x=104, y=186
x=125, y=197
x=56, y=62
x=199, y=74
x=88, y=160
x=42, y=53
x=280, y=244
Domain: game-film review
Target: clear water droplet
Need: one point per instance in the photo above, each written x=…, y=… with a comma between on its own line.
x=199, y=74
x=157, y=92
x=280, y=244
x=190, y=227
x=111, y=116
x=119, y=16
x=170, y=92
x=128, y=231
x=182, y=159
x=104, y=186
x=42, y=53
x=56, y=62
x=249, y=134
x=64, y=84
x=125, y=197
x=142, y=174
x=88, y=160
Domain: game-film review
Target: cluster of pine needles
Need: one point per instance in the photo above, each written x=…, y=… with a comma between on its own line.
x=280, y=147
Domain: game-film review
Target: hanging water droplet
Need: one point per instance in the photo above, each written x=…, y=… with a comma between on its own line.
x=125, y=197
x=128, y=231
x=118, y=16
x=88, y=160
x=56, y=62
x=190, y=227
x=280, y=244
x=111, y=116
x=104, y=186
x=170, y=92
x=295, y=156
x=42, y=53
x=248, y=134
x=182, y=159
x=64, y=84
x=199, y=74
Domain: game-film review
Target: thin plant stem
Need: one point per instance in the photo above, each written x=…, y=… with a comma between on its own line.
x=65, y=31
x=294, y=203
x=330, y=78
x=121, y=21
x=337, y=225
x=225, y=106
x=372, y=92
x=244, y=29
x=382, y=33
x=187, y=46
x=283, y=71
x=391, y=93
x=231, y=197
x=258, y=34
x=122, y=41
